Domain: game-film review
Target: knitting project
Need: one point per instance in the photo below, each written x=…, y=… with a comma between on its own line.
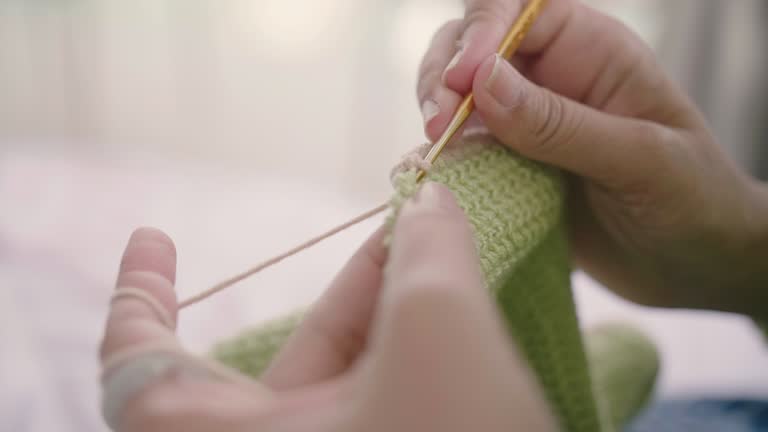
x=515, y=207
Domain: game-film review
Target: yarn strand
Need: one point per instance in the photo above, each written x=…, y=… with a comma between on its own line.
x=276, y=259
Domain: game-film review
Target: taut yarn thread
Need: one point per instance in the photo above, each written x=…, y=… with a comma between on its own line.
x=412, y=160
x=277, y=258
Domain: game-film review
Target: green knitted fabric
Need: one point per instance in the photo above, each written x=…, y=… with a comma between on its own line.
x=624, y=365
x=515, y=207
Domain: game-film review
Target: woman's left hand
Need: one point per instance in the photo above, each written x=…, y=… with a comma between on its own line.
x=413, y=345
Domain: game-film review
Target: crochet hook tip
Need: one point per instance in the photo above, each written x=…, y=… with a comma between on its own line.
x=507, y=49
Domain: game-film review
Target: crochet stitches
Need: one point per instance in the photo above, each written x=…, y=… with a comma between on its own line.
x=515, y=207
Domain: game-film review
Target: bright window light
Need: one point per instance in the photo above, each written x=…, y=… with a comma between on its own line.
x=297, y=27
x=416, y=23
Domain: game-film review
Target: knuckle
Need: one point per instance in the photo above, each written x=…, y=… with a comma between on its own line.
x=632, y=55
x=555, y=125
x=122, y=332
x=550, y=121
x=648, y=133
x=656, y=141
x=153, y=283
x=117, y=337
x=346, y=338
x=655, y=162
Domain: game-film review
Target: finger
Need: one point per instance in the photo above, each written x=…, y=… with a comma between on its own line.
x=334, y=331
x=147, y=272
x=609, y=67
x=485, y=23
x=615, y=151
x=607, y=63
x=436, y=321
x=148, y=381
x=432, y=261
x=437, y=102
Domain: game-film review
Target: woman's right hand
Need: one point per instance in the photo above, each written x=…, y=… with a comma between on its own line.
x=658, y=213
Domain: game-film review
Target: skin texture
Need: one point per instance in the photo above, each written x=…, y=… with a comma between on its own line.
x=659, y=213
x=382, y=350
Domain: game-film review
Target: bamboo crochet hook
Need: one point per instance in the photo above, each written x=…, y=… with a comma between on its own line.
x=507, y=49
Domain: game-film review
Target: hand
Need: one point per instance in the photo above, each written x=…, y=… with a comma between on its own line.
x=658, y=213
x=414, y=345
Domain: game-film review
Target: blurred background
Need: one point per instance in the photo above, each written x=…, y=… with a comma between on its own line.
x=243, y=127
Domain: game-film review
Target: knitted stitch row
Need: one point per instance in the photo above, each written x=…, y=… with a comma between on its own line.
x=515, y=207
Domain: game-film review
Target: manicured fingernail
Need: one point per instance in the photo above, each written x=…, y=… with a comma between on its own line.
x=429, y=110
x=504, y=83
x=455, y=60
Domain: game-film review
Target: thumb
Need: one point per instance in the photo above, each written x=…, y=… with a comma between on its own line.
x=437, y=340
x=545, y=126
x=435, y=317
x=433, y=275
x=485, y=23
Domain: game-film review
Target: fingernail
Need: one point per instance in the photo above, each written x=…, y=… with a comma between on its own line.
x=455, y=60
x=432, y=196
x=504, y=83
x=429, y=110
